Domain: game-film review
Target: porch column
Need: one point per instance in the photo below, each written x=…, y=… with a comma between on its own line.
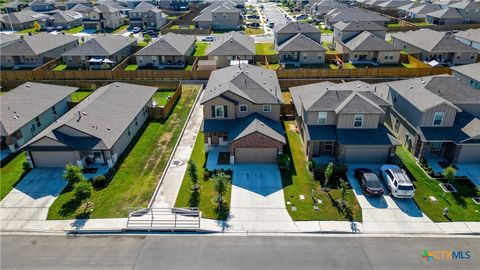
x=108, y=157
x=232, y=155
x=420, y=151
x=78, y=158
x=458, y=149
x=114, y=158
x=19, y=137
x=10, y=142
x=28, y=157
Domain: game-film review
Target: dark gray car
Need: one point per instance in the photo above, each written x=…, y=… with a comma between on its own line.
x=371, y=184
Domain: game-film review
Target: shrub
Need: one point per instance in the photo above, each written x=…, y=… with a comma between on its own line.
x=26, y=166
x=311, y=165
x=283, y=161
x=206, y=175
x=73, y=174
x=100, y=181
x=82, y=191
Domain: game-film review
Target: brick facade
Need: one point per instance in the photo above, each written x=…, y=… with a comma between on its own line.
x=256, y=140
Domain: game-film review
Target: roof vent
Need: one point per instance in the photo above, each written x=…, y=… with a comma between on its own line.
x=28, y=85
x=422, y=81
x=358, y=85
x=108, y=128
x=84, y=113
x=117, y=85
x=411, y=86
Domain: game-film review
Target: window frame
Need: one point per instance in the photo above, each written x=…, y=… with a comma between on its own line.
x=355, y=120
x=243, y=105
x=222, y=110
x=269, y=106
x=324, y=118
x=441, y=119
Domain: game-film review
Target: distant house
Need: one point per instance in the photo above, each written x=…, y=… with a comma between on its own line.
x=24, y=19
x=469, y=10
x=181, y=5
x=470, y=74
x=82, y=9
x=417, y=10
x=353, y=15
x=444, y=17
x=471, y=37
x=29, y=109
x=220, y=15
x=67, y=19
x=241, y=110
x=102, y=17
x=13, y=6
x=430, y=45
x=147, y=16
x=231, y=46
x=343, y=122
x=96, y=132
x=36, y=50
x=319, y=9
x=71, y=3
x=171, y=50
x=6, y=39
x=299, y=43
x=101, y=51
x=42, y=5
x=131, y=4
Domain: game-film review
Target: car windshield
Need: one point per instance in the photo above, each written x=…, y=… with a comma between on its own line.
x=401, y=187
x=374, y=184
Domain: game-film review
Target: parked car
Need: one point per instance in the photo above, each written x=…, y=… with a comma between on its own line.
x=369, y=182
x=49, y=29
x=399, y=185
x=136, y=30
x=150, y=33
x=59, y=28
x=271, y=25
x=208, y=38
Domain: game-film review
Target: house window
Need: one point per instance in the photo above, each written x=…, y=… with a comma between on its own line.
x=140, y=59
x=128, y=131
x=436, y=146
x=472, y=57
x=243, y=108
x=322, y=118
x=267, y=108
x=397, y=125
x=328, y=146
x=386, y=57
x=391, y=57
x=97, y=154
x=219, y=111
x=136, y=122
x=54, y=111
x=37, y=120
x=438, y=118
x=358, y=120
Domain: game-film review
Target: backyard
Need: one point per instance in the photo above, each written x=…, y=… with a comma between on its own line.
x=265, y=49
x=460, y=205
x=81, y=94
x=253, y=31
x=161, y=97
x=200, y=48
x=74, y=30
x=138, y=170
x=11, y=173
x=299, y=181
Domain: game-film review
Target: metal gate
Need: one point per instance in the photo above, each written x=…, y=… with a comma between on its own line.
x=164, y=219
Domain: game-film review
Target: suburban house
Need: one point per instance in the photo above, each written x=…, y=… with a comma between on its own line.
x=436, y=117
x=429, y=45
x=319, y=9
x=131, y=4
x=471, y=37
x=13, y=6
x=353, y=15
x=28, y=109
x=231, y=46
x=36, y=50
x=103, y=17
x=96, y=132
x=147, y=16
x=220, y=15
x=444, y=17
x=71, y=3
x=171, y=50
x=43, y=6
x=67, y=19
x=22, y=20
x=6, y=39
x=468, y=9
x=181, y=5
x=299, y=43
x=241, y=110
x=470, y=74
x=364, y=42
x=343, y=122
x=417, y=10
x=101, y=52
x=82, y=9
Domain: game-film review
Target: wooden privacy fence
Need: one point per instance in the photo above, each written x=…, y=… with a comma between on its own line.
x=163, y=112
x=287, y=111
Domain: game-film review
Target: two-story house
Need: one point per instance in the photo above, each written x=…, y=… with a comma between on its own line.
x=231, y=46
x=350, y=14
x=429, y=45
x=469, y=10
x=147, y=16
x=67, y=19
x=28, y=109
x=470, y=74
x=299, y=43
x=241, y=111
x=471, y=37
x=343, y=122
x=43, y=6
x=220, y=15
x=436, y=117
x=103, y=17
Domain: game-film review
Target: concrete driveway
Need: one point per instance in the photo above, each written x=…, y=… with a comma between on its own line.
x=257, y=202
x=32, y=197
x=386, y=213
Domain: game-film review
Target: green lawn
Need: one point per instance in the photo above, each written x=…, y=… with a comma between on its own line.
x=81, y=95
x=287, y=96
x=142, y=44
x=254, y=31
x=207, y=191
x=299, y=181
x=460, y=205
x=326, y=31
x=176, y=26
x=160, y=97
x=325, y=45
x=265, y=49
x=188, y=67
x=120, y=29
x=60, y=67
x=422, y=24
x=200, y=48
x=346, y=65
x=74, y=30
x=11, y=174
x=26, y=31
x=172, y=17
x=131, y=67
x=139, y=170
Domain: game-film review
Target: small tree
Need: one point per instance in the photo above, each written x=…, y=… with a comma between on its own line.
x=37, y=26
x=147, y=39
x=82, y=191
x=449, y=173
x=328, y=173
x=221, y=179
x=343, y=190
x=73, y=174
x=193, y=173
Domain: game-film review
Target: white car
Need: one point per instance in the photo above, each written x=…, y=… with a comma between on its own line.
x=398, y=183
x=208, y=38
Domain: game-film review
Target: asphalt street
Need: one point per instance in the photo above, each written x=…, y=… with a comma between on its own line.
x=273, y=14
x=231, y=252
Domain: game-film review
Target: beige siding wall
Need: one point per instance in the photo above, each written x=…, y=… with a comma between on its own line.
x=369, y=120
x=207, y=108
x=448, y=117
x=311, y=118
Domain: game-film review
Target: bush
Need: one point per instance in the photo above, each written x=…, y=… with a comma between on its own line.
x=82, y=191
x=73, y=174
x=26, y=166
x=283, y=161
x=206, y=175
x=100, y=181
x=311, y=165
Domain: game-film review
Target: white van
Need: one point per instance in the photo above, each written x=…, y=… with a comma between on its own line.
x=399, y=185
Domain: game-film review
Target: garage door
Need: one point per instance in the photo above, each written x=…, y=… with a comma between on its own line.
x=362, y=155
x=255, y=155
x=469, y=154
x=52, y=159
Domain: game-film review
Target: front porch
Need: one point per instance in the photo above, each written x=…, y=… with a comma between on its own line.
x=218, y=158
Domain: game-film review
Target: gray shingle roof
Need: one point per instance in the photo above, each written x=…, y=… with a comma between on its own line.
x=81, y=8
x=105, y=114
x=448, y=13
x=359, y=26
x=22, y=104
x=37, y=44
x=67, y=16
x=102, y=45
x=364, y=136
x=232, y=43
x=294, y=28
x=300, y=42
x=453, y=90
x=465, y=129
x=424, y=8
x=432, y=41
x=219, y=6
x=252, y=83
x=355, y=15
x=6, y=38
x=470, y=34
x=472, y=70
x=144, y=7
x=169, y=44
x=393, y=3
x=23, y=16
x=367, y=41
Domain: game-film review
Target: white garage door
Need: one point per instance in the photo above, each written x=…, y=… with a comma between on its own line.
x=255, y=155
x=469, y=154
x=53, y=159
x=368, y=154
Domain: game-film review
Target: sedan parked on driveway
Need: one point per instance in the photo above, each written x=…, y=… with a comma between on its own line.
x=399, y=185
x=369, y=182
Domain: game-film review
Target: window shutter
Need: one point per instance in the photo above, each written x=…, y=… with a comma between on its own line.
x=213, y=111
x=225, y=111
